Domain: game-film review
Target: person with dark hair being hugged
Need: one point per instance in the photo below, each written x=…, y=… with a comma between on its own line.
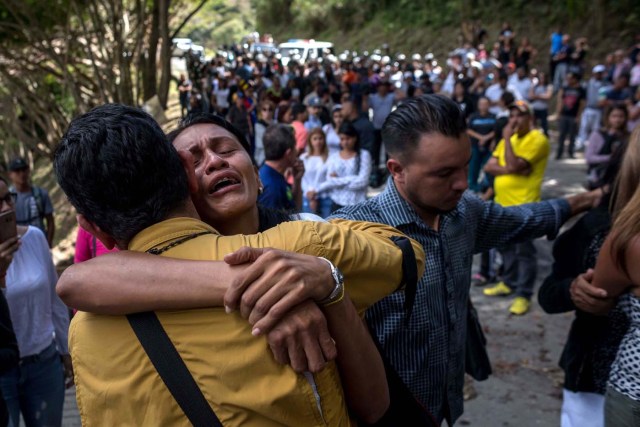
x=141, y=202
x=280, y=155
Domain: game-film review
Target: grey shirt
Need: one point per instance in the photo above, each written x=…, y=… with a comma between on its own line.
x=32, y=206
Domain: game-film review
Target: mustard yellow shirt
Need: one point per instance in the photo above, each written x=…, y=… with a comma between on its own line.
x=116, y=384
x=515, y=189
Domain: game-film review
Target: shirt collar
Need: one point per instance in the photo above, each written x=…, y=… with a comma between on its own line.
x=396, y=211
x=166, y=231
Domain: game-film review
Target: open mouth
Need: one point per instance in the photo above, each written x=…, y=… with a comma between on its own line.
x=222, y=184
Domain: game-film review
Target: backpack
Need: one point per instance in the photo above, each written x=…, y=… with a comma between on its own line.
x=38, y=195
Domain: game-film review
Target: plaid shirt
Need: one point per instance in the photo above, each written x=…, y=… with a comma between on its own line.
x=428, y=353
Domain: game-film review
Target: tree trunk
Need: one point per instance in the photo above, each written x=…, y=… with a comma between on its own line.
x=165, y=52
x=150, y=57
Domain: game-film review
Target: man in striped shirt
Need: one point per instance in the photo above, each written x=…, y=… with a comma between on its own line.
x=425, y=198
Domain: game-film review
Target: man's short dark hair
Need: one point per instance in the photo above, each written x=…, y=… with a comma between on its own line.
x=206, y=118
x=426, y=114
x=298, y=109
x=277, y=139
x=119, y=170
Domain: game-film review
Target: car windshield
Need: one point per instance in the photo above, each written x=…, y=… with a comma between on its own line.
x=290, y=51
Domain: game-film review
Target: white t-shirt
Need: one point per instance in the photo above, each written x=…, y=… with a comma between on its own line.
x=222, y=98
x=314, y=173
x=332, y=138
x=495, y=91
x=381, y=107
x=37, y=313
x=522, y=86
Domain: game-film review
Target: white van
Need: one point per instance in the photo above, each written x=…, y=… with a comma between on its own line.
x=304, y=50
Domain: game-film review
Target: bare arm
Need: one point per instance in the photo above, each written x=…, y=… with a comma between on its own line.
x=514, y=164
x=361, y=368
x=474, y=134
x=494, y=168
x=610, y=277
x=128, y=282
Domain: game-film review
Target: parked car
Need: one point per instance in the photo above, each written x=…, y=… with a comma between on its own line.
x=183, y=45
x=304, y=50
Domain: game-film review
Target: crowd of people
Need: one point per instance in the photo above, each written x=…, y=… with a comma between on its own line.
x=277, y=157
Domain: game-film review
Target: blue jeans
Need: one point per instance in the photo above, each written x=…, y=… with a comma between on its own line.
x=324, y=206
x=520, y=265
x=35, y=389
x=479, y=156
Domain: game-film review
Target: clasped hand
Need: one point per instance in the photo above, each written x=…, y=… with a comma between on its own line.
x=277, y=295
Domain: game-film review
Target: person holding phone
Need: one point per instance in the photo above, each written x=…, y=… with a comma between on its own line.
x=40, y=320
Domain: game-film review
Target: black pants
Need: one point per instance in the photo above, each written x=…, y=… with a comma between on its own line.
x=567, y=127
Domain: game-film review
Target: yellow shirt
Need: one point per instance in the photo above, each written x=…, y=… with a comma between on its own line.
x=116, y=384
x=515, y=189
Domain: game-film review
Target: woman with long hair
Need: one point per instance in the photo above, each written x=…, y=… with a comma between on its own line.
x=540, y=94
x=604, y=142
x=314, y=160
x=34, y=388
x=594, y=338
x=618, y=273
x=347, y=172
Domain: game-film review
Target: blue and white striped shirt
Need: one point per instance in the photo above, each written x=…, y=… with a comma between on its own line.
x=428, y=353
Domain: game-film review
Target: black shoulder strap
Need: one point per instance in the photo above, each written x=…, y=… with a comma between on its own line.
x=409, y=274
x=172, y=370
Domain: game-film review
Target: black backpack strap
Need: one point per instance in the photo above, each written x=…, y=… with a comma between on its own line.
x=172, y=369
x=409, y=274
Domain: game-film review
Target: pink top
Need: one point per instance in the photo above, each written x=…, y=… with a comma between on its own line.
x=301, y=135
x=84, y=246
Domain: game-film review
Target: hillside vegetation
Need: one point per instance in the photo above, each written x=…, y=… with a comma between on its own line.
x=440, y=25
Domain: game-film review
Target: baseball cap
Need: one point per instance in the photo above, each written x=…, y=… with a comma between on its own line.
x=522, y=106
x=17, y=164
x=314, y=102
x=599, y=68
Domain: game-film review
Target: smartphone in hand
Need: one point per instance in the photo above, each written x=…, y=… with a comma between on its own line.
x=8, y=227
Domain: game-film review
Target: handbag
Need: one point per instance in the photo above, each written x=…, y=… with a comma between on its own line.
x=477, y=363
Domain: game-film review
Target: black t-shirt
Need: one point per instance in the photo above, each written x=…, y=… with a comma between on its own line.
x=482, y=124
x=571, y=97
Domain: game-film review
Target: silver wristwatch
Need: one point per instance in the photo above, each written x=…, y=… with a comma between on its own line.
x=338, y=290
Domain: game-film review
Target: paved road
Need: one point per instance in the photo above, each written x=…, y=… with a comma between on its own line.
x=525, y=389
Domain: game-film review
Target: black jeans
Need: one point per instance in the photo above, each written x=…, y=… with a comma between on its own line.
x=567, y=126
